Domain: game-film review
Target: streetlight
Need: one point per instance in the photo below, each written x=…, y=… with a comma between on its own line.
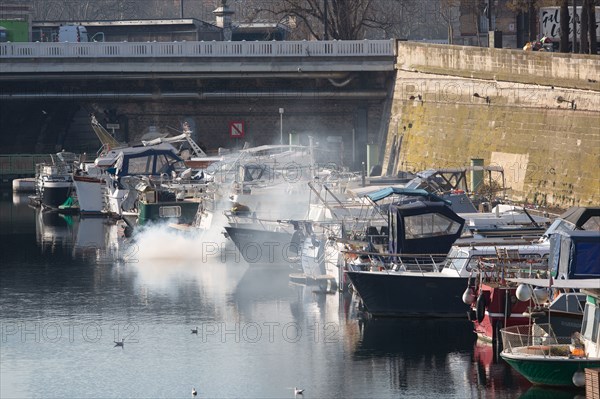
x=281, y=126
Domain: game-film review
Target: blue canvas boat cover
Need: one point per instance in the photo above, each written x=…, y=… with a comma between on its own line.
x=409, y=192
x=146, y=162
x=575, y=254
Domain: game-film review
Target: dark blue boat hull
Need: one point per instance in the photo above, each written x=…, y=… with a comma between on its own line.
x=406, y=295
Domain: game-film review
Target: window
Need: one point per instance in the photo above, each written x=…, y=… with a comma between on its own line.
x=429, y=225
x=590, y=325
x=593, y=224
x=140, y=165
x=457, y=259
x=169, y=211
x=162, y=164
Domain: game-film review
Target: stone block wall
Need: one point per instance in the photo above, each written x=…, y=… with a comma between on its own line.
x=454, y=103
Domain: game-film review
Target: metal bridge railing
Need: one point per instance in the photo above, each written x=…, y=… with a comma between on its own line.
x=346, y=48
x=21, y=164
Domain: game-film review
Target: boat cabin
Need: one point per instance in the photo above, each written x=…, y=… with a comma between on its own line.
x=423, y=227
x=149, y=162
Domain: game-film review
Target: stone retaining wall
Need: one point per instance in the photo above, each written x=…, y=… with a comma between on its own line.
x=450, y=105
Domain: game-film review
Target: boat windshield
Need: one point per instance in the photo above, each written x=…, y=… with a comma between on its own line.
x=558, y=226
x=429, y=225
x=590, y=326
x=457, y=259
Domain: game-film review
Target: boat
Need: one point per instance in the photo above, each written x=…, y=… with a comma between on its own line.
x=411, y=279
x=139, y=186
x=24, y=185
x=54, y=181
x=92, y=179
x=491, y=296
x=544, y=358
x=564, y=251
x=264, y=242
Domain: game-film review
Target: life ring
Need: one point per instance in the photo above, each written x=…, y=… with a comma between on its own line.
x=480, y=308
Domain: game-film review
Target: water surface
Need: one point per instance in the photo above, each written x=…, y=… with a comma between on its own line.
x=69, y=288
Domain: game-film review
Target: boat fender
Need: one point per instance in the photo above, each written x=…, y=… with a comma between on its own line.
x=480, y=308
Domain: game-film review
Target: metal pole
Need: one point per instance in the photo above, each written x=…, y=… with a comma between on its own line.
x=281, y=126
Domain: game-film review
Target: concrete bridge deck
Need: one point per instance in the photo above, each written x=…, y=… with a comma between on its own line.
x=32, y=60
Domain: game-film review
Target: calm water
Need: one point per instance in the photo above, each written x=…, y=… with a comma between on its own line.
x=69, y=288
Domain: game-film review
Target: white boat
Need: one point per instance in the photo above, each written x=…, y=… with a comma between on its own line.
x=24, y=185
x=544, y=358
x=100, y=191
x=54, y=181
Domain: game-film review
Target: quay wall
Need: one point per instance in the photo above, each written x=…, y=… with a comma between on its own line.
x=535, y=114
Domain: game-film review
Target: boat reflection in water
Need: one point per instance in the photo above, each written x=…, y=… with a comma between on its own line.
x=420, y=353
x=55, y=232
x=492, y=372
x=98, y=239
x=538, y=392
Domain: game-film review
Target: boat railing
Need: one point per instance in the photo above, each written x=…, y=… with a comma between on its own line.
x=539, y=340
x=245, y=218
x=393, y=263
x=499, y=269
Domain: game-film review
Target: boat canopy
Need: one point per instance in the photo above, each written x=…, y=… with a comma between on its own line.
x=579, y=216
x=388, y=191
x=575, y=254
x=149, y=162
x=423, y=227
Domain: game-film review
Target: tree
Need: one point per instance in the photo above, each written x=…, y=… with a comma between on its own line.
x=528, y=7
x=78, y=10
x=584, y=44
x=592, y=26
x=332, y=19
x=449, y=13
x=564, y=26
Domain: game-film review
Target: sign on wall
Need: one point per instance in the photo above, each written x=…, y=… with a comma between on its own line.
x=550, y=22
x=236, y=129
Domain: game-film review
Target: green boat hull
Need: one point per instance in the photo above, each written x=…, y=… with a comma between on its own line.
x=182, y=211
x=550, y=372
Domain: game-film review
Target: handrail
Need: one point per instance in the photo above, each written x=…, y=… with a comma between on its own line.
x=21, y=164
x=334, y=48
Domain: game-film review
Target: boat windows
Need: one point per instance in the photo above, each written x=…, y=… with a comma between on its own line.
x=162, y=164
x=429, y=225
x=457, y=260
x=569, y=302
x=140, y=165
x=590, y=325
x=593, y=224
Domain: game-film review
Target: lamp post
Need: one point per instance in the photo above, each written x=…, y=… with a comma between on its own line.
x=281, y=126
